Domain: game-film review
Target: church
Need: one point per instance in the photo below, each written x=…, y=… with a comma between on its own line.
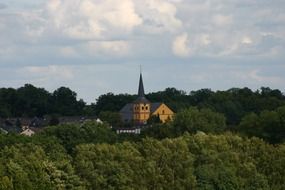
x=139, y=111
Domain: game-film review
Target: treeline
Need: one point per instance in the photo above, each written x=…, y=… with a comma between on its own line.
x=234, y=103
x=30, y=101
x=268, y=125
x=92, y=156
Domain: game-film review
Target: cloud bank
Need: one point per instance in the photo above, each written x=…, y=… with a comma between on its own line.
x=50, y=38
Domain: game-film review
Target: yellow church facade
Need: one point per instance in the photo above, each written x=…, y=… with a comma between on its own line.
x=142, y=109
x=164, y=113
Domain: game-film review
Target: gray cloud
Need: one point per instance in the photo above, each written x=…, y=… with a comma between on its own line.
x=213, y=28
x=2, y=6
x=191, y=41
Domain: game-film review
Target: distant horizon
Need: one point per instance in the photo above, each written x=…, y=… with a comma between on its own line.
x=134, y=94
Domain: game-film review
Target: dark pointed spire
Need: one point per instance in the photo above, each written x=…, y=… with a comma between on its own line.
x=141, y=88
x=141, y=96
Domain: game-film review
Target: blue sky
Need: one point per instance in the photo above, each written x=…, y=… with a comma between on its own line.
x=96, y=46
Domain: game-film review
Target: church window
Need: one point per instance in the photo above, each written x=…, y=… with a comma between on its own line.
x=142, y=108
x=163, y=112
x=146, y=108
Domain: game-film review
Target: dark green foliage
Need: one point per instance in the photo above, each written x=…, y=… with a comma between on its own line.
x=89, y=110
x=86, y=157
x=11, y=139
x=159, y=131
x=175, y=99
x=190, y=162
x=54, y=120
x=227, y=162
x=147, y=165
x=26, y=166
x=269, y=125
x=30, y=101
x=71, y=135
x=154, y=119
x=65, y=103
x=193, y=120
x=112, y=118
x=113, y=103
x=191, y=154
x=234, y=103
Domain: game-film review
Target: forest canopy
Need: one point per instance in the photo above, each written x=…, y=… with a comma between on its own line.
x=93, y=157
x=222, y=140
x=235, y=103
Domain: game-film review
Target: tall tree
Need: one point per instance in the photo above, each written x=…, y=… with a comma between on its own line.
x=65, y=102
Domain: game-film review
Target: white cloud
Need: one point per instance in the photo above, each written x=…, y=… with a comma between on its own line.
x=246, y=40
x=215, y=28
x=116, y=48
x=180, y=45
x=222, y=20
x=50, y=72
x=106, y=19
x=205, y=39
x=93, y=19
x=88, y=32
x=158, y=16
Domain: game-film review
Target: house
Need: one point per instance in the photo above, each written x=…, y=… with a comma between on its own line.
x=3, y=131
x=139, y=111
x=129, y=130
x=28, y=132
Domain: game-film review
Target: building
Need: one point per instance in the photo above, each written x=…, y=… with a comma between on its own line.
x=28, y=132
x=139, y=111
x=129, y=130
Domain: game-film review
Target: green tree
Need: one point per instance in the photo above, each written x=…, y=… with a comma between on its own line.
x=112, y=118
x=70, y=135
x=153, y=119
x=65, y=102
x=193, y=120
x=54, y=120
x=112, y=103
x=31, y=101
x=227, y=162
x=269, y=125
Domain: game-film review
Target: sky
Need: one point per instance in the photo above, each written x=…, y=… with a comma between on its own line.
x=97, y=46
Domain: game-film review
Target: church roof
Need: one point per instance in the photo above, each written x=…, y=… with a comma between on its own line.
x=142, y=100
x=141, y=87
x=127, y=108
x=154, y=106
x=141, y=96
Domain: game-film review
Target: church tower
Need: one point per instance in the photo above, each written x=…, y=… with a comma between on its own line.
x=141, y=106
